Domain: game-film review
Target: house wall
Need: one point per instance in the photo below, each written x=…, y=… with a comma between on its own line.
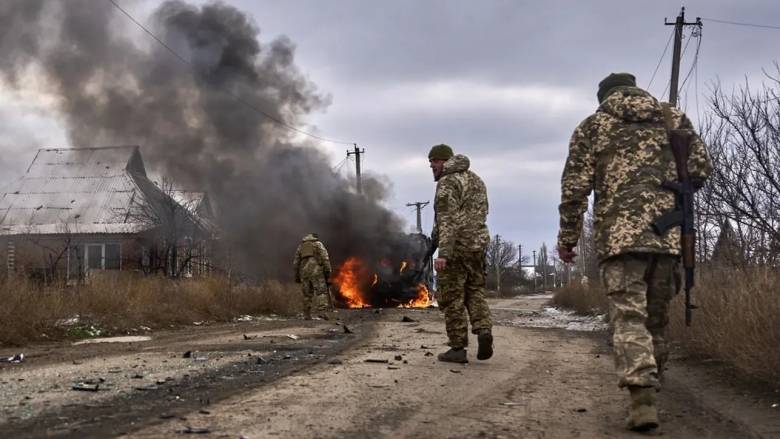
x=45, y=257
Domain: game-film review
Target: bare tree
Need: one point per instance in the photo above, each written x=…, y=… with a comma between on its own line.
x=587, y=261
x=501, y=256
x=743, y=133
x=173, y=229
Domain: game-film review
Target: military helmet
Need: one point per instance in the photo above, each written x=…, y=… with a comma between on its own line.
x=440, y=152
x=612, y=81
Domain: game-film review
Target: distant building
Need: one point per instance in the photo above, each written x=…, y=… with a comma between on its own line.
x=81, y=210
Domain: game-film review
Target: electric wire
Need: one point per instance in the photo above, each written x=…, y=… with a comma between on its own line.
x=736, y=23
x=661, y=59
x=227, y=92
x=337, y=168
x=694, y=65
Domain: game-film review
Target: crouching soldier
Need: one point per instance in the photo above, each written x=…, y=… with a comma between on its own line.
x=312, y=271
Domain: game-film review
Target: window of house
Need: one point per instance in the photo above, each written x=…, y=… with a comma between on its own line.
x=95, y=256
x=113, y=257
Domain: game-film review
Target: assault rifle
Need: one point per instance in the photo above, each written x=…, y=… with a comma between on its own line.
x=682, y=215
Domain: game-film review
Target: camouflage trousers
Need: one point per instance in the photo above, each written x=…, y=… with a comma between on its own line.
x=461, y=288
x=639, y=287
x=315, y=294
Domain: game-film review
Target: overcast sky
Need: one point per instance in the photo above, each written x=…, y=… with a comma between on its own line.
x=503, y=82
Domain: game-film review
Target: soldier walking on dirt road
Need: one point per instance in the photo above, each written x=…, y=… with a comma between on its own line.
x=461, y=235
x=622, y=152
x=312, y=271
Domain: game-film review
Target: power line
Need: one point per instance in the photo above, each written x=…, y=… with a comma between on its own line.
x=695, y=60
x=228, y=92
x=736, y=23
x=661, y=59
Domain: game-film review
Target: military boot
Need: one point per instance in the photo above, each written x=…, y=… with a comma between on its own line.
x=454, y=356
x=642, y=414
x=485, y=340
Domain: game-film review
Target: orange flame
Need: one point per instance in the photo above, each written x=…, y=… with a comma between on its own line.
x=353, y=282
x=348, y=282
x=423, y=299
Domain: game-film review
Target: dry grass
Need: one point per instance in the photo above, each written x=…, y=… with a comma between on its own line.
x=736, y=322
x=582, y=299
x=125, y=302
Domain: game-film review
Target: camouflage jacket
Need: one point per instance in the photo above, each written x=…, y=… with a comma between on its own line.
x=461, y=208
x=622, y=153
x=311, y=259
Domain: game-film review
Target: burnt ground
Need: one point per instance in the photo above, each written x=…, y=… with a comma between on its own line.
x=251, y=379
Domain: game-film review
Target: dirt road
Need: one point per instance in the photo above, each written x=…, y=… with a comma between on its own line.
x=287, y=378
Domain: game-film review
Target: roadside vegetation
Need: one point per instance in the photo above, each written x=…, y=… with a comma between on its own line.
x=127, y=303
x=736, y=322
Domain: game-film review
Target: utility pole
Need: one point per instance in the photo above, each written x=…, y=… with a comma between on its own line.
x=520, y=257
x=534, y=270
x=357, y=153
x=498, y=264
x=419, y=206
x=678, y=24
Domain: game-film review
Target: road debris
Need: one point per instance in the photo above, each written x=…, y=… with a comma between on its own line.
x=147, y=387
x=456, y=371
x=194, y=430
x=376, y=360
x=407, y=319
x=187, y=354
x=18, y=358
x=398, y=358
x=429, y=354
x=335, y=361
x=293, y=336
x=511, y=404
x=84, y=387
x=393, y=367
x=347, y=330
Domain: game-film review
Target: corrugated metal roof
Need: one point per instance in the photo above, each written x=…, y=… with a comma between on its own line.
x=86, y=190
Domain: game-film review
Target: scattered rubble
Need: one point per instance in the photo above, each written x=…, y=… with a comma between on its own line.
x=18, y=358
x=347, y=330
x=194, y=430
x=376, y=360
x=407, y=319
x=293, y=336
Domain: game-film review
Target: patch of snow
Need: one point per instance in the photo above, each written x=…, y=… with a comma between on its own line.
x=124, y=339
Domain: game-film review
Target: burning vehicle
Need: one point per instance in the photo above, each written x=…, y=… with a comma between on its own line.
x=400, y=276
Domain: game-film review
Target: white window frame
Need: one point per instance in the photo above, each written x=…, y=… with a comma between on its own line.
x=102, y=246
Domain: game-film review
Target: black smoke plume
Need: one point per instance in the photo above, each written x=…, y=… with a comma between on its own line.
x=115, y=86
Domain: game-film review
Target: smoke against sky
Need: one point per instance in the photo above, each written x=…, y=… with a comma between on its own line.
x=268, y=192
x=504, y=82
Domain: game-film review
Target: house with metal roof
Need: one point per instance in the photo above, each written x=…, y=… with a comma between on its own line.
x=81, y=210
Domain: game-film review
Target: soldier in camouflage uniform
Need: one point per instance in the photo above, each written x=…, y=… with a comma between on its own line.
x=460, y=232
x=622, y=153
x=312, y=271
